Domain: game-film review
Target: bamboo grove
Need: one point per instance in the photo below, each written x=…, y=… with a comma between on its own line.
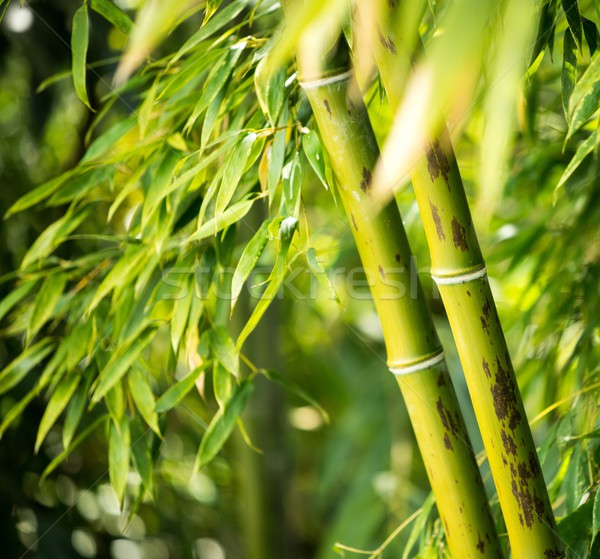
x=227, y=137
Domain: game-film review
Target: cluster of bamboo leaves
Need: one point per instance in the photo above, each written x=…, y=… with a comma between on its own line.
x=191, y=144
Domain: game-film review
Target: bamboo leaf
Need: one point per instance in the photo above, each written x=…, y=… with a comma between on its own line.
x=55, y=406
x=317, y=269
x=582, y=152
x=231, y=215
x=248, y=260
x=45, y=302
x=65, y=453
x=234, y=169
x=181, y=313
x=79, y=47
x=596, y=515
x=221, y=425
x=179, y=390
x=17, y=369
x=107, y=141
x=297, y=390
x=286, y=230
x=54, y=235
x=292, y=183
x=143, y=397
x=574, y=20
x=545, y=31
x=210, y=119
x=120, y=362
x=592, y=37
x=211, y=7
x=75, y=410
x=224, y=350
x=569, y=70
x=15, y=297
x=583, y=102
x=16, y=411
x=222, y=384
x=312, y=149
x=277, y=156
x=113, y=14
x=119, y=444
x=270, y=89
x=142, y=460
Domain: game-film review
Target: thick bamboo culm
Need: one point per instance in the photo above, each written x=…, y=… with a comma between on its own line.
x=414, y=351
x=459, y=270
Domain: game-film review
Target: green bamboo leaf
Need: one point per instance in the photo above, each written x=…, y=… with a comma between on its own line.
x=574, y=20
x=17, y=369
x=297, y=390
x=582, y=152
x=569, y=70
x=248, y=260
x=592, y=37
x=178, y=391
x=65, y=453
x=583, y=102
x=312, y=149
x=119, y=445
x=292, y=183
x=222, y=384
x=210, y=119
x=45, y=302
x=234, y=169
x=16, y=411
x=106, y=142
x=158, y=190
x=15, y=297
x=224, y=350
x=545, y=31
x=277, y=155
x=142, y=460
x=181, y=313
x=57, y=403
x=270, y=89
x=221, y=425
x=143, y=397
x=54, y=235
x=231, y=215
x=286, y=231
x=113, y=14
x=120, y=362
x=211, y=7
x=75, y=409
x=79, y=47
x=317, y=269
x=596, y=515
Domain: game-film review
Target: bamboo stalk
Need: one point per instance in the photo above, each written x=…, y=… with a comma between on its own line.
x=414, y=351
x=459, y=270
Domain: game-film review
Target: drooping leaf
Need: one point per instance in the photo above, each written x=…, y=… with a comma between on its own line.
x=286, y=231
x=211, y=7
x=234, y=170
x=105, y=143
x=292, y=183
x=179, y=390
x=119, y=445
x=57, y=403
x=15, y=297
x=16, y=411
x=79, y=48
x=143, y=397
x=140, y=453
x=592, y=36
x=114, y=14
x=224, y=350
x=545, y=31
x=222, y=424
x=248, y=260
x=222, y=384
x=277, y=156
x=317, y=269
x=75, y=410
x=17, y=369
x=569, y=71
x=120, y=362
x=596, y=515
x=312, y=150
x=584, y=99
x=45, y=302
x=270, y=89
x=574, y=20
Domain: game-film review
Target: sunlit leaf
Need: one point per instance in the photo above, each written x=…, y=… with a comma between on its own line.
x=224, y=350
x=114, y=14
x=17, y=369
x=119, y=446
x=140, y=454
x=79, y=48
x=312, y=150
x=143, y=397
x=574, y=19
x=222, y=384
x=317, y=269
x=230, y=216
x=45, y=302
x=179, y=390
x=569, y=70
x=584, y=99
x=222, y=424
x=75, y=411
x=15, y=297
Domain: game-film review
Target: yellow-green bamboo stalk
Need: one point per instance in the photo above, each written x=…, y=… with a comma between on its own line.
x=459, y=270
x=414, y=351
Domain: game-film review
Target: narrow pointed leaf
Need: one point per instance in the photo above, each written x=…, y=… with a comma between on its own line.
x=55, y=407
x=119, y=444
x=234, y=170
x=592, y=37
x=317, y=269
x=585, y=97
x=224, y=350
x=16, y=370
x=569, y=70
x=179, y=390
x=79, y=47
x=143, y=397
x=221, y=425
x=45, y=302
x=140, y=453
x=222, y=384
x=75, y=410
x=114, y=14
x=15, y=297
x=231, y=215
x=574, y=19
x=312, y=150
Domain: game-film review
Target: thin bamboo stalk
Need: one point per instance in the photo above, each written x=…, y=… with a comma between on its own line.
x=414, y=351
x=459, y=270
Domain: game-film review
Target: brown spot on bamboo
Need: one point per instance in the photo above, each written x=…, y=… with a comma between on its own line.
x=437, y=162
x=447, y=442
x=484, y=324
x=468, y=293
x=441, y=381
x=387, y=43
x=480, y=544
x=353, y=222
x=504, y=397
x=365, y=183
x=439, y=229
x=509, y=443
x=459, y=235
x=550, y=553
x=326, y=103
x=486, y=368
x=381, y=271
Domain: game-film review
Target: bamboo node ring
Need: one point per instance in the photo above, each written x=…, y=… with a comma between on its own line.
x=312, y=84
x=461, y=278
x=420, y=366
